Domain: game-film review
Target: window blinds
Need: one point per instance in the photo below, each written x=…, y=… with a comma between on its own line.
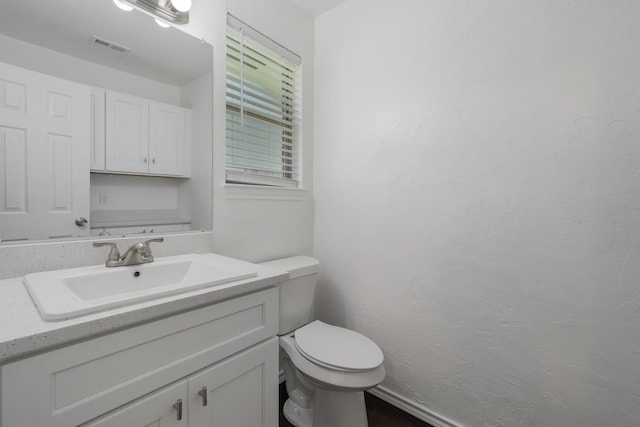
x=263, y=109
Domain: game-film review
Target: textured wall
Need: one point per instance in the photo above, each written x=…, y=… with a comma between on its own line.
x=478, y=199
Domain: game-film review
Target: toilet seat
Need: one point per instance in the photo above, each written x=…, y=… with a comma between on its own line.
x=337, y=348
x=330, y=378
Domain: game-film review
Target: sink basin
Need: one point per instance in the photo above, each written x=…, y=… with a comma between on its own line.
x=62, y=294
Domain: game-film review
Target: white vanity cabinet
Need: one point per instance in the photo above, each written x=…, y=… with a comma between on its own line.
x=235, y=392
x=146, y=137
x=224, y=355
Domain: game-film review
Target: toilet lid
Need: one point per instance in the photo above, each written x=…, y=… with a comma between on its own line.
x=337, y=348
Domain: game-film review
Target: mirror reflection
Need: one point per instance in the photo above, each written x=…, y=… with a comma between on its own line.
x=105, y=122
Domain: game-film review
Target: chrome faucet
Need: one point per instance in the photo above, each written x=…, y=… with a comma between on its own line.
x=138, y=253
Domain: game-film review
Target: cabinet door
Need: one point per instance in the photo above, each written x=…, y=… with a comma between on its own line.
x=161, y=408
x=44, y=155
x=127, y=133
x=167, y=139
x=97, y=132
x=241, y=391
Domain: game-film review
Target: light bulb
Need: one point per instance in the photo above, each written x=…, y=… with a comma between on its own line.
x=162, y=23
x=181, y=5
x=123, y=6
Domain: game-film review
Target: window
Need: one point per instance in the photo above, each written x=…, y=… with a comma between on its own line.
x=263, y=109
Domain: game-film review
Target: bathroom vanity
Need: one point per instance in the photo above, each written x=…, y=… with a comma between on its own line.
x=201, y=358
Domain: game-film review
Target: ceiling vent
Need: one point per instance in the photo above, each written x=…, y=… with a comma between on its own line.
x=99, y=41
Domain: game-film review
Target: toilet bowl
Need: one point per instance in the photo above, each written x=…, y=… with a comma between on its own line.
x=326, y=367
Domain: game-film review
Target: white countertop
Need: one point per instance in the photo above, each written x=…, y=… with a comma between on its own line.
x=23, y=331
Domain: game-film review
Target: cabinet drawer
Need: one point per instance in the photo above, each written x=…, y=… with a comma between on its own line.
x=73, y=384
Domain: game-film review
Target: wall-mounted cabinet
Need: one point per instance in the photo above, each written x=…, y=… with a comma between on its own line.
x=141, y=136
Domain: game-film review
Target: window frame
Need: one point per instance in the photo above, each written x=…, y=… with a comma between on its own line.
x=275, y=134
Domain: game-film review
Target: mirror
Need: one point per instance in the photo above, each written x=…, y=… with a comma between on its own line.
x=111, y=56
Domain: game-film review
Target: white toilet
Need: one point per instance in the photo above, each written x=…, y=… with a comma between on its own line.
x=326, y=367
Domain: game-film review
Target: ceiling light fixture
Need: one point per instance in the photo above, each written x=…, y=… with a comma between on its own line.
x=181, y=5
x=169, y=11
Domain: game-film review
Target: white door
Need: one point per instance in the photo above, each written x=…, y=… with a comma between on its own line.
x=160, y=409
x=166, y=139
x=241, y=391
x=44, y=155
x=127, y=133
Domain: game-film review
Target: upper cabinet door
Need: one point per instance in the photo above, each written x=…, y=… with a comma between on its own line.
x=97, y=133
x=44, y=155
x=167, y=139
x=127, y=133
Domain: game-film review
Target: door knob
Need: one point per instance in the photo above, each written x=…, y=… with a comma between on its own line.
x=81, y=222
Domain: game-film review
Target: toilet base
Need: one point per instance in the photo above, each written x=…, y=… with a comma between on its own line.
x=330, y=409
x=339, y=409
x=296, y=415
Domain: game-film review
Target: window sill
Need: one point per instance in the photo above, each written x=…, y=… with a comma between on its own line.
x=259, y=192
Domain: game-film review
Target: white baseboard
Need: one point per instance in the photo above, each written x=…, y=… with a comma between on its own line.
x=413, y=408
x=407, y=405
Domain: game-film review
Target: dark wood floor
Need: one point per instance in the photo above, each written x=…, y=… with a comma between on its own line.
x=379, y=413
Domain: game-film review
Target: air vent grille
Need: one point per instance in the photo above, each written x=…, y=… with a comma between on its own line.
x=102, y=42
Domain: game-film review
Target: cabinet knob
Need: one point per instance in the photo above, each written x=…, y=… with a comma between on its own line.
x=153, y=160
x=203, y=393
x=81, y=222
x=178, y=407
x=145, y=160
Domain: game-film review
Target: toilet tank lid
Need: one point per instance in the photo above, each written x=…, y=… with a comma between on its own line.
x=296, y=266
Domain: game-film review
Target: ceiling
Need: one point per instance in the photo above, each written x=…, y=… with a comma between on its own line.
x=317, y=7
x=163, y=54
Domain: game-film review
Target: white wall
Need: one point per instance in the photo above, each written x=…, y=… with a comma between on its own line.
x=477, y=203
x=129, y=192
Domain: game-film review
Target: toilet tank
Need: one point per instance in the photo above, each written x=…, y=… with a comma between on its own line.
x=296, y=293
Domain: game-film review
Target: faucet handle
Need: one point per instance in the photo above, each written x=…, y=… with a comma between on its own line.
x=147, y=249
x=157, y=239
x=114, y=253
